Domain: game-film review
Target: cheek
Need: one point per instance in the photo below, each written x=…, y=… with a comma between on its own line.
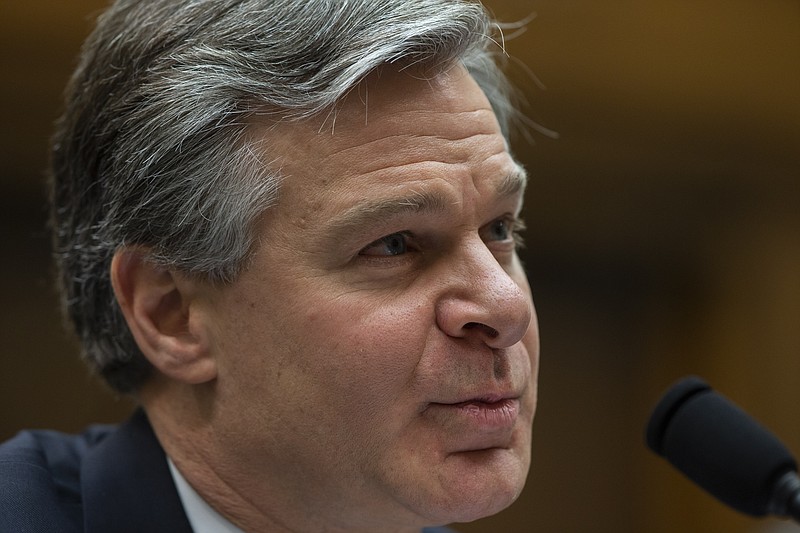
x=367, y=349
x=353, y=371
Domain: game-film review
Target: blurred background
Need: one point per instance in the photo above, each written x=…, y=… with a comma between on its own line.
x=663, y=240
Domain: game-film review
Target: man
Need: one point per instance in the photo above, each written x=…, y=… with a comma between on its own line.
x=288, y=230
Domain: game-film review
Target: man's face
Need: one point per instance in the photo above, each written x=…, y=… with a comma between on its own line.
x=377, y=359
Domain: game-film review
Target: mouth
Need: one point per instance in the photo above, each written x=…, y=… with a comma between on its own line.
x=487, y=413
x=476, y=424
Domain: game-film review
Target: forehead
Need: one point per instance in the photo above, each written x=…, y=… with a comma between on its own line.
x=389, y=97
x=396, y=129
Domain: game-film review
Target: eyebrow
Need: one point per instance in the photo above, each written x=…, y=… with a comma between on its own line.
x=368, y=214
x=512, y=183
x=371, y=213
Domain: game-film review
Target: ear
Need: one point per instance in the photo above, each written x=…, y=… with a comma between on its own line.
x=161, y=308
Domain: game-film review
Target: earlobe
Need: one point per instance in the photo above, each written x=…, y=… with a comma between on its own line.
x=160, y=307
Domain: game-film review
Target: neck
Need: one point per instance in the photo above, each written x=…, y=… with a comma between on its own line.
x=186, y=425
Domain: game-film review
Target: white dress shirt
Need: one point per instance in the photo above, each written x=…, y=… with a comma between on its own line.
x=202, y=517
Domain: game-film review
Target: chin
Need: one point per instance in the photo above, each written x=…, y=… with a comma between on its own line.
x=483, y=484
x=471, y=509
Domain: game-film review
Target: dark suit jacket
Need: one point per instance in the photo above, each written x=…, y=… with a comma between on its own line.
x=104, y=480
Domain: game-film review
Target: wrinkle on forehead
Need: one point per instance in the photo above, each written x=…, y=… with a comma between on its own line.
x=397, y=103
x=384, y=96
x=398, y=122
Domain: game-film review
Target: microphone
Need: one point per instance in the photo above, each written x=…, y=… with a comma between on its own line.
x=725, y=451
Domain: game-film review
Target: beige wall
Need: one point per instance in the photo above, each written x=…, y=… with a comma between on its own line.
x=664, y=239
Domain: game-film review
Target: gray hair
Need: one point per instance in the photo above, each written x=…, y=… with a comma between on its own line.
x=154, y=147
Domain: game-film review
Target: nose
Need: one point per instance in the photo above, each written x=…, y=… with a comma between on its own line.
x=482, y=300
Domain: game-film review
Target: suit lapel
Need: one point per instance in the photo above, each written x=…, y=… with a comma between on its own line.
x=127, y=485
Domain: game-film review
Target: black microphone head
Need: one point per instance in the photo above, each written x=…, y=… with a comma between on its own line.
x=718, y=446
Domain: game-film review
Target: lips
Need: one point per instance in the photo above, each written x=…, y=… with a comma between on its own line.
x=489, y=414
x=476, y=424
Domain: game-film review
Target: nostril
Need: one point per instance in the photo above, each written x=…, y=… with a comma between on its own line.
x=489, y=331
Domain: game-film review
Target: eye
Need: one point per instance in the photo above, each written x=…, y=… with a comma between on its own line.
x=505, y=229
x=394, y=244
x=499, y=230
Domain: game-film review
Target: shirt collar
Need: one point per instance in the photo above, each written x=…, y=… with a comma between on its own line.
x=202, y=517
